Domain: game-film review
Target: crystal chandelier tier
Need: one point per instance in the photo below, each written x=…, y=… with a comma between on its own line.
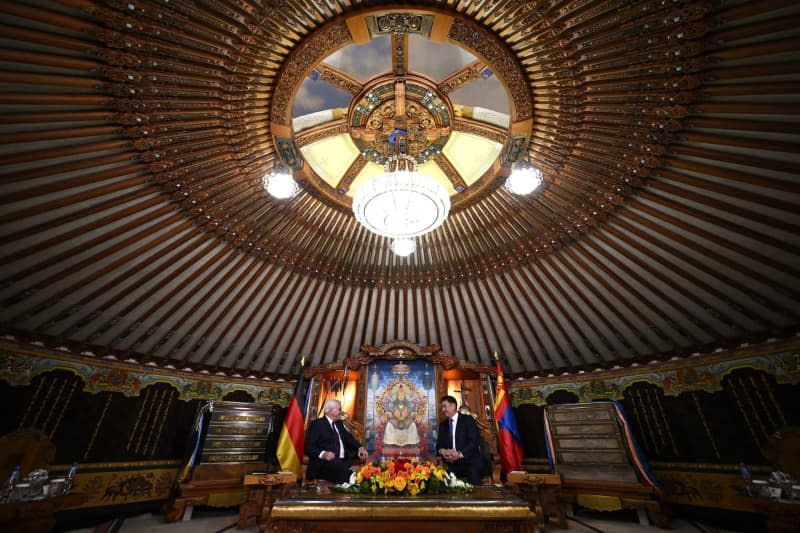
x=401, y=203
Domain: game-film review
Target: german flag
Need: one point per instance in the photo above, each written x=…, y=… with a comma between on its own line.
x=290, y=442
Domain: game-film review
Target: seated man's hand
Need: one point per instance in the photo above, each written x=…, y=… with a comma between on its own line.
x=448, y=454
x=328, y=456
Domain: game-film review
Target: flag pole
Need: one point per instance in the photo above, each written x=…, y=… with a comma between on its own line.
x=491, y=391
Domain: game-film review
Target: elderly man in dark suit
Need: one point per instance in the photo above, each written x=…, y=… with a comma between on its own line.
x=458, y=442
x=330, y=448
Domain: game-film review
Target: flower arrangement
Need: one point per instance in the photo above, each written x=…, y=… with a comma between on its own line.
x=402, y=477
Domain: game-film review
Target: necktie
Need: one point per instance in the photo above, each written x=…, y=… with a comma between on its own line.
x=453, y=433
x=338, y=450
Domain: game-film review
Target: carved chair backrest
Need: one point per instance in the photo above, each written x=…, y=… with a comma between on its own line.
x=29, y=448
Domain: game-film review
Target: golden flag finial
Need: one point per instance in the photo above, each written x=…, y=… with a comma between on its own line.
x=496, y=356
x=303, y=361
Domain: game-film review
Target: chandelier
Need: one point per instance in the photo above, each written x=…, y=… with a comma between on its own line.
x=401, y=203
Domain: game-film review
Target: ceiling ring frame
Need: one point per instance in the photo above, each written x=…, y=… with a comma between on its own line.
x=461, y=32
x=450, y=28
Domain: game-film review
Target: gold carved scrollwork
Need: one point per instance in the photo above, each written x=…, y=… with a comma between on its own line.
x=505, y=65
x=317, y=135
x=467, y=74
x=478, y=128
x=347, y=180
x=319, y=45
x=400, y=349
x=448, y=362
x=421, y=128
x=339, y=79
x=452, y=174
x=399, y=23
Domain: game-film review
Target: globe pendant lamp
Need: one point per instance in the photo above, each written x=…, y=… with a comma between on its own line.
x=524, y=179
x=279, y=182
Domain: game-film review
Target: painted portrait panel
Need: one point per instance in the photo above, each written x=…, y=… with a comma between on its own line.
x=401, y=409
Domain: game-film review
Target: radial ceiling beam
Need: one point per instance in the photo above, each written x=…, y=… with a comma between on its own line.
x=466, y=74
x=339, y=79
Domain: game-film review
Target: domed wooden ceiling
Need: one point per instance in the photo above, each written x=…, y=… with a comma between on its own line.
x=134, y=222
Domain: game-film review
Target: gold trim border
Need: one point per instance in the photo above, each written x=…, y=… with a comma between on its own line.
x=415, y=510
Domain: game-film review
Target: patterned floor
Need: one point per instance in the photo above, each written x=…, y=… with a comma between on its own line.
x=212, y=521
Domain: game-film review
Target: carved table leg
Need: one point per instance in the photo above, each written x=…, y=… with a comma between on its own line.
x=252, y=507
x=269, y=497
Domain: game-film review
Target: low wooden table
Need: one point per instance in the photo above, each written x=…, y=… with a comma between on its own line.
x=485, y=508
x=542, y=492
x=262, y=490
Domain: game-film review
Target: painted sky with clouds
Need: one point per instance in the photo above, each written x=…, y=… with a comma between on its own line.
x=366, y=61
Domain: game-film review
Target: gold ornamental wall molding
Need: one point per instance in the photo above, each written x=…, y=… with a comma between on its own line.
x=19, y=364
x=780, y=359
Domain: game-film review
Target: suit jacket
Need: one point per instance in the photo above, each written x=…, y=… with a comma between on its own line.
x=467, y=436
x=321, y=437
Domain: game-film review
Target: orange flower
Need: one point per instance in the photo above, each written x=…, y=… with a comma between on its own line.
x=399, y=476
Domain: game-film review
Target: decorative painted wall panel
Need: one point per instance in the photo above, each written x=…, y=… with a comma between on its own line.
x=696, y=419
x=126, y=426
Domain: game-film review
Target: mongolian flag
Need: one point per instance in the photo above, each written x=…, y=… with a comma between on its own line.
x=510, y=441
x=290, y=442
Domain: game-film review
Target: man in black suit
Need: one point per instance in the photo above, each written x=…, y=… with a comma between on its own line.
x=458, y=442
x=330, y=448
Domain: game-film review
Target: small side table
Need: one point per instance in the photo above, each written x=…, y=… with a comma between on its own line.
x=262, y=490
x=541, y=491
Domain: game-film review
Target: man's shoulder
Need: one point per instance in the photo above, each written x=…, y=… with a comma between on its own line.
x=471, y=421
